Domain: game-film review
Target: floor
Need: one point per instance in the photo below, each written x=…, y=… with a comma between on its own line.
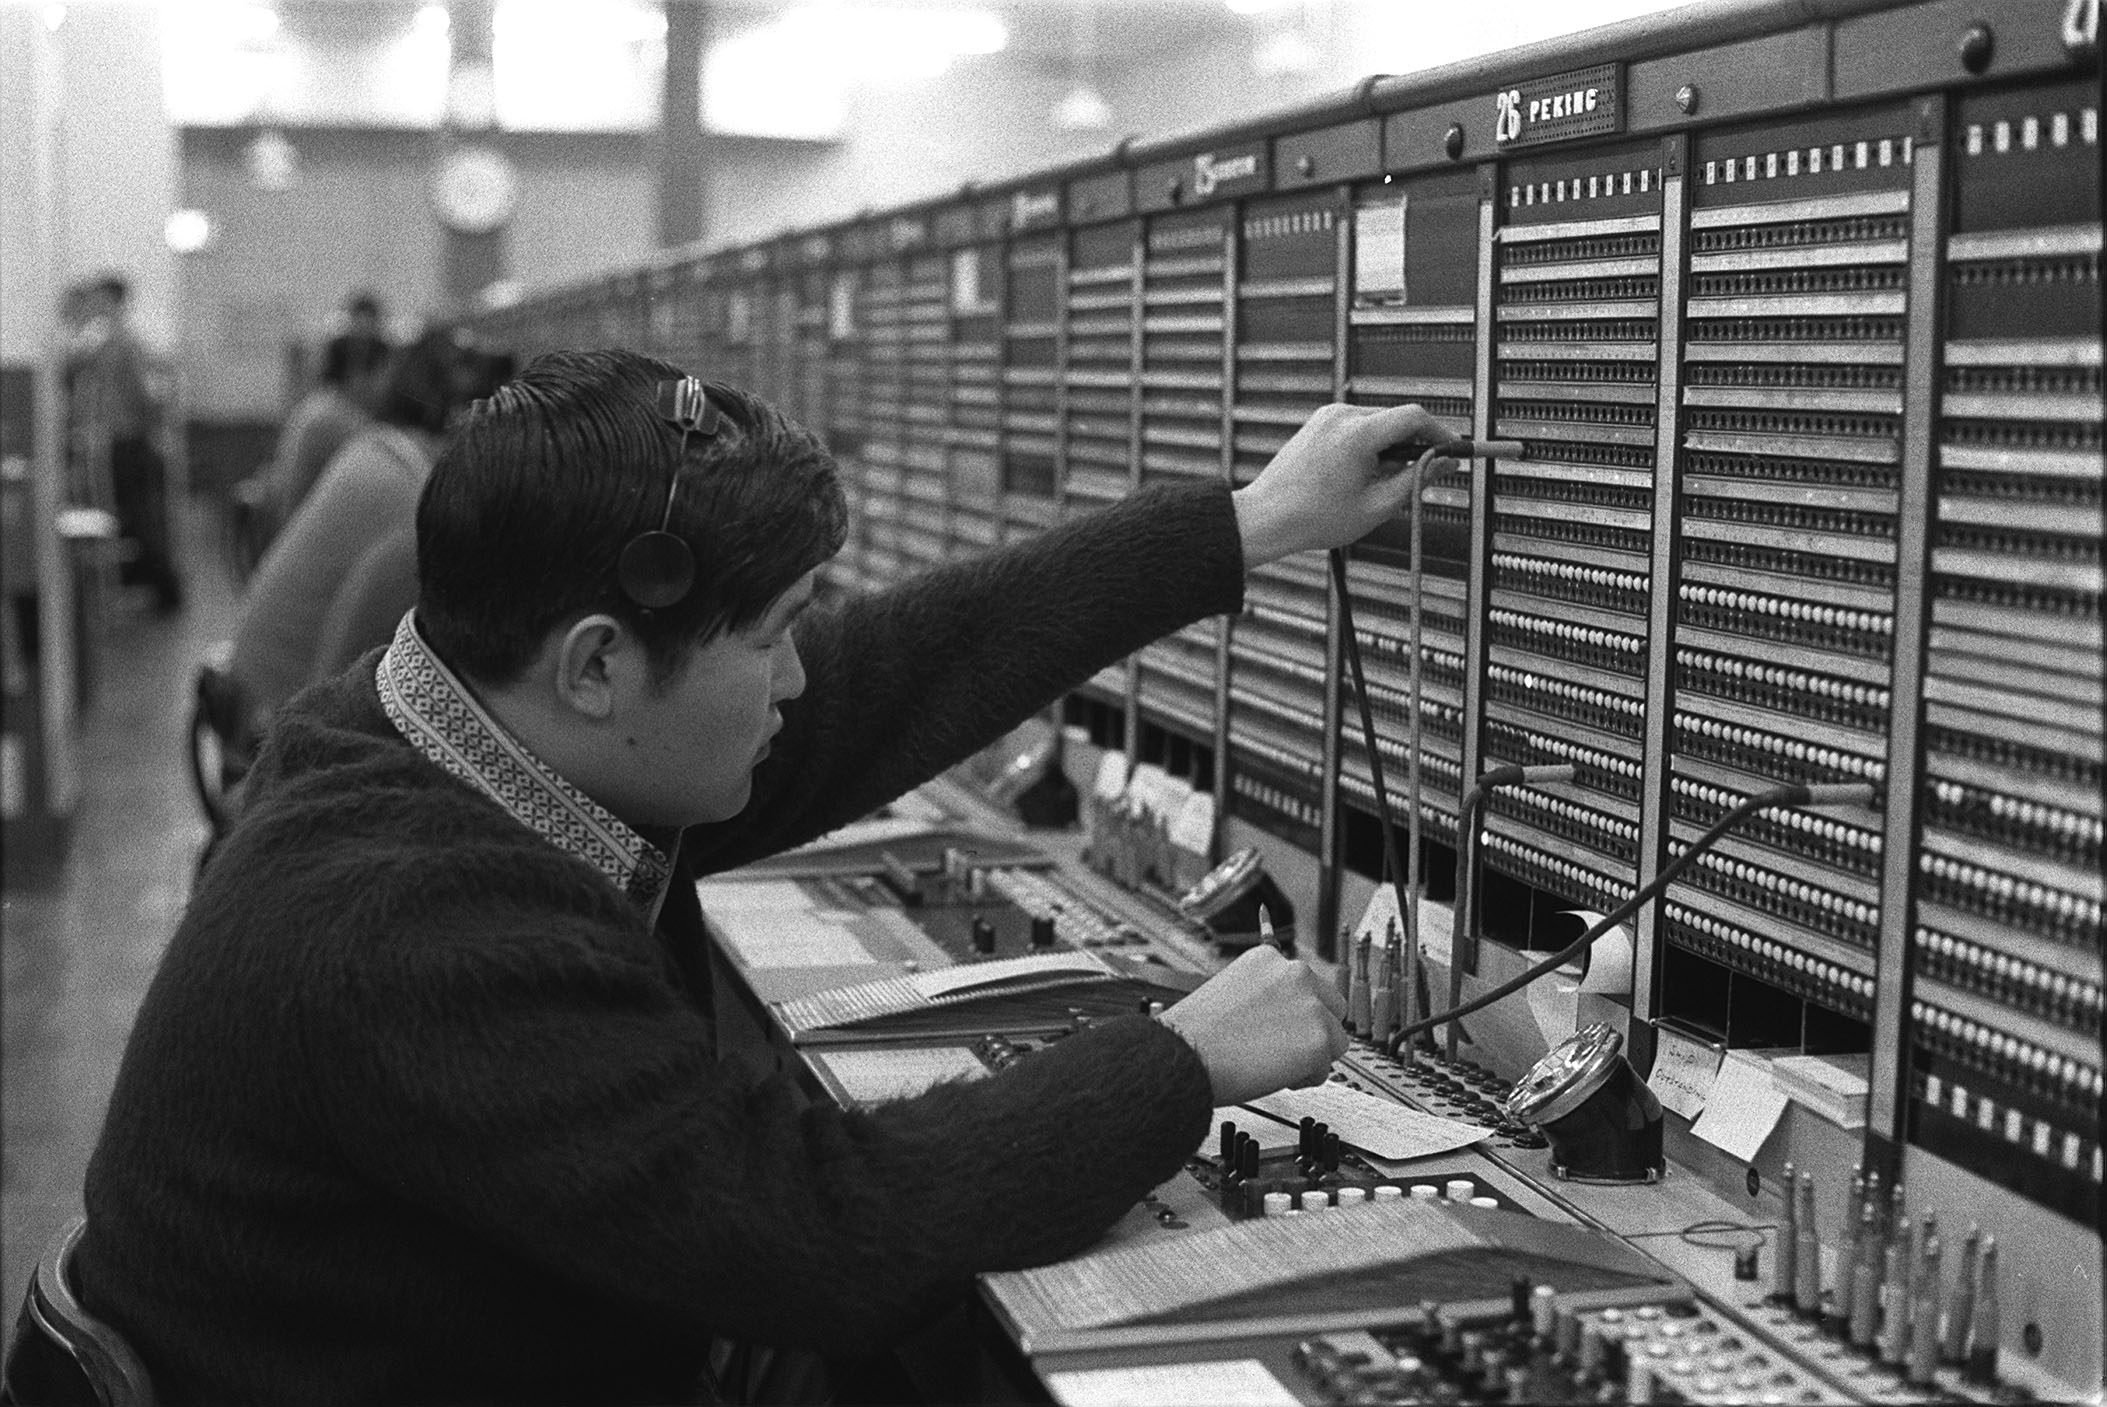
x=77, y=951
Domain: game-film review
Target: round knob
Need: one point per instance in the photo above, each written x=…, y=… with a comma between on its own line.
x=1316, y=1201
x=1452, y=141
x=1977, y=46
x=1686, y=98
x=1305, y=166
x=1278, y=1203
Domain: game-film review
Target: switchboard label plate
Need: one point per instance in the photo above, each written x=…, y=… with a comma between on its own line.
x=1586, y=102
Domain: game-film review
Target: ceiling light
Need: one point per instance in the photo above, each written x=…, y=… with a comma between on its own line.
x=187, y=231
x=259, y=23
x=1082, y=109
x=1286, y=53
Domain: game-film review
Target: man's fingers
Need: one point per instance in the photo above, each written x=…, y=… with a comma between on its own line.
x=1406, y=425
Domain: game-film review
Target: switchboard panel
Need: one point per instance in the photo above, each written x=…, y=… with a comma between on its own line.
x=1785, y=598
x=2004, y=1061
x=1183, y=388
x=882, y=321
x=1031, y=378
x=1576, y=308
x=924, y=478
x=1411, y=338
x=973, y=434
x=1286, y=315
x=1103, y=280
x=1804, y=355
x=1099, y=395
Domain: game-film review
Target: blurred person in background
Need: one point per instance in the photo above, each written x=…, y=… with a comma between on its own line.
x=339, y=404
x=116, y=410
x=365, y=500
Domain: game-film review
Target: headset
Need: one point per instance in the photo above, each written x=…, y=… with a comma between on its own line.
x=657, y=568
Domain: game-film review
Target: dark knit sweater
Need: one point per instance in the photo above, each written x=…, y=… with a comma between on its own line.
x=418, y=1110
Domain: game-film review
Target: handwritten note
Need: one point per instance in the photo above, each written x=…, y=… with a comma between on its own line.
x=1389, y=1131
x=1683, y=1071
x=1743, y=1107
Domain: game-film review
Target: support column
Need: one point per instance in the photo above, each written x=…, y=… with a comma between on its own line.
x=472, y=256
x=677, y=147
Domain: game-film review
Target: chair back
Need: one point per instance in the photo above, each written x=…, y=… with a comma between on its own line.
x=63, y=1356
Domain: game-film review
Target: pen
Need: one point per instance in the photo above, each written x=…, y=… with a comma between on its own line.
x=1265, y=927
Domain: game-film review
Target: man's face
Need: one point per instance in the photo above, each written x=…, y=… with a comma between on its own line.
x=691, y=745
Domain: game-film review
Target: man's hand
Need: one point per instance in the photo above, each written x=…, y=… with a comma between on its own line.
x=1260, y=1024
x=1325, y=488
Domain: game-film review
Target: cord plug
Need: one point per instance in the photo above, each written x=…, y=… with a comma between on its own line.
x=1408, y=454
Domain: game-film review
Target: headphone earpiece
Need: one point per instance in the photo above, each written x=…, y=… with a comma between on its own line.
x=657, y=568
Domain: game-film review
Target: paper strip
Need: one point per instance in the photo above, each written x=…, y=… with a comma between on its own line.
x=1742, y=1108
x=1378, y=1126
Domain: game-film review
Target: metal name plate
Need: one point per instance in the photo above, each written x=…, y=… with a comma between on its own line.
x=1587, y=102
x=1035, y=209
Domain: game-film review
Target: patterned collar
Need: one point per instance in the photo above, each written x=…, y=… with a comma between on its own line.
x=434, y=710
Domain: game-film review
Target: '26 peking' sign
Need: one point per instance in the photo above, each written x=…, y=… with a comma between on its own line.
x=1585, y=103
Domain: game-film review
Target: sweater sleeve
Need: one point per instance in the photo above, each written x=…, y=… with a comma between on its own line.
x=547, y=1091
x=904, y=683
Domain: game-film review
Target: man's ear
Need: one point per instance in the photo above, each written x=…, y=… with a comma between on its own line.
x=592, y=657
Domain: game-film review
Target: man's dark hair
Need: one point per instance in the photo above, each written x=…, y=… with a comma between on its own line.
x=363, y=305
x=350, y=355
x=115, y=287
x=540, y=488
x=435, y=378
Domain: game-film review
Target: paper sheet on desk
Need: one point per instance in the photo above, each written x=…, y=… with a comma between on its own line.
x=872, y=1076
x=877, y=830
x=743, y=896
x=1743, y=1107
x=805, y=938
x=1235, y=1382
x=773, y=923
x=1389, y=1131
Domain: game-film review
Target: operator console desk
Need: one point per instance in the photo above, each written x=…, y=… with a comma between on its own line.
x=1503, y=1284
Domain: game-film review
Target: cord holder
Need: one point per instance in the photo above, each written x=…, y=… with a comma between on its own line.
x=1603, y=1123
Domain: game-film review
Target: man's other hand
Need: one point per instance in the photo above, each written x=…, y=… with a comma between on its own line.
x=1260, y=1024
x=1325, y=488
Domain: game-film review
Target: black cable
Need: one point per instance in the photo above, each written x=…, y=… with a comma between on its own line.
x=1794, y=794
x=1386, y=819
x=1697, y=1229
x=1375, y=754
